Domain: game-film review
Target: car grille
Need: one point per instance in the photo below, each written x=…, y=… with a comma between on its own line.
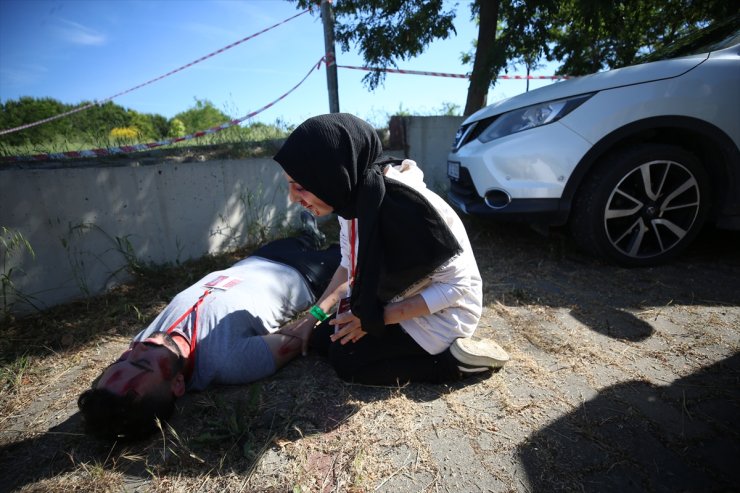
x=471, y=131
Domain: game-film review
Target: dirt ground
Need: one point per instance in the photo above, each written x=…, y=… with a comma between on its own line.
x=620, y=380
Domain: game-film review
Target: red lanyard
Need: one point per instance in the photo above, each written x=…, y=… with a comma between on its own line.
x=193, y=333
x=352, y=240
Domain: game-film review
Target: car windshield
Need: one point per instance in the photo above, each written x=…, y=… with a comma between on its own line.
x=718, y=36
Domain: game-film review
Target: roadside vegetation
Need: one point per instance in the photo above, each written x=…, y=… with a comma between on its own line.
x=110, y=125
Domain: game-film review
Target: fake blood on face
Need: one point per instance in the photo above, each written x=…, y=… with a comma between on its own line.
x=165, y=367
x=115, y=377
x=132, y=384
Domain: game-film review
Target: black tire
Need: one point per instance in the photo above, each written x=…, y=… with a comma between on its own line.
x=642, y=205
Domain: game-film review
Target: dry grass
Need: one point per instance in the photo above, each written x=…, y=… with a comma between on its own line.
x=591, y=346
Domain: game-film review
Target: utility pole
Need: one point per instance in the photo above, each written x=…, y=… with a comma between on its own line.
x=327, y=18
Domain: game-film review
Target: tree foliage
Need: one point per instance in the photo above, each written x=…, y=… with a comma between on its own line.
x=28, y=110
x=95, y=125
x=108, y=124
x=390, y=30
x=177, y=128
x=91, y=125
x=585, y=35
x=593, y=35
x=202, y=116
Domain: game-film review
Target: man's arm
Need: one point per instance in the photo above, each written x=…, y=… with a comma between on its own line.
x=302, y=327
x=284, y=347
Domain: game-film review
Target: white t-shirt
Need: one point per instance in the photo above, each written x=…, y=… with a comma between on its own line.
x=453, y=293
x=260, y=296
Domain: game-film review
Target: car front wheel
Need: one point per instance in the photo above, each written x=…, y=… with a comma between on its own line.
x=641, y=206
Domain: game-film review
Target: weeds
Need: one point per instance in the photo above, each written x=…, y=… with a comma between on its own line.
x=177, y=446
x=258, y=216
x=229, y=422
x=75, y=256
x=126, y=249
x=261, y=224
x=120, y=244
x=11, y=376
x=13, y=243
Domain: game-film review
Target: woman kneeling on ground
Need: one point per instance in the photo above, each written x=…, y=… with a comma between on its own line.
x=408, y=286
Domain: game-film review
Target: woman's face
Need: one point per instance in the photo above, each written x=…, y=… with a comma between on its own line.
x=300, y=195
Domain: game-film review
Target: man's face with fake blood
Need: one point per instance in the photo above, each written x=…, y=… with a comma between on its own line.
x=152, y=365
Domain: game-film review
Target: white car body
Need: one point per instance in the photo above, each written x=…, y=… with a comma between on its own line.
x=534, y=174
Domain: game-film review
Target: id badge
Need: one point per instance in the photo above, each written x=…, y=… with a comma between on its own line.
x=343, y=307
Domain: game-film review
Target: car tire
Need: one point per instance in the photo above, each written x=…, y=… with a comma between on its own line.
x=642, y=205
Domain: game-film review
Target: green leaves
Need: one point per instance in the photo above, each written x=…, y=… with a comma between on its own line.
x=202, y=116
x=591, y=36
x=92, y=125
x=586, y=35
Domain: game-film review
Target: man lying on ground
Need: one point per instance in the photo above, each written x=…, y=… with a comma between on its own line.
x=220, y=330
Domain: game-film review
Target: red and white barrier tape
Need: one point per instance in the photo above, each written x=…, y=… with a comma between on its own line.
x=328, y=60
x=90, y=105
x=109, y=151
x=454, y=76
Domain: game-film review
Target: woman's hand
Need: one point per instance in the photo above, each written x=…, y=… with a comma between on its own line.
x=348, y=328
x=300, y=329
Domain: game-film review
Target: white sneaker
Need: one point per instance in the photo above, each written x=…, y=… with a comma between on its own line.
x=476, y=355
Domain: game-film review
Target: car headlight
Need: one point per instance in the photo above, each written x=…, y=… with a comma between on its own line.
x=531, y=117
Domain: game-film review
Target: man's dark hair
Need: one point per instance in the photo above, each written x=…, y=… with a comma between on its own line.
x=130, y=416
x=123, y=417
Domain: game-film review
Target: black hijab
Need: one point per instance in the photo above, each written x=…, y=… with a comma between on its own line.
x=337, y=157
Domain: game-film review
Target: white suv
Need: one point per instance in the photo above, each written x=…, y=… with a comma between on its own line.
x=634, y=160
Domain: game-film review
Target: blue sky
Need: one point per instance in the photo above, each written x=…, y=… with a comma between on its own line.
x=81, y=50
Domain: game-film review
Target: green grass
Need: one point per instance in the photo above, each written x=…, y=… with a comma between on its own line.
x=236, y=142
x=11, y=375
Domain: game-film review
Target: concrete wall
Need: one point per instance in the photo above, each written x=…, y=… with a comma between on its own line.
x=428, y=141
x=86, y=224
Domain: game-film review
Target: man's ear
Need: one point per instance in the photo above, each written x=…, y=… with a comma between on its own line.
x=178, y=385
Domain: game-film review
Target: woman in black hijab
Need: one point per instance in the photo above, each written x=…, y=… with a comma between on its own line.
x=406, y=260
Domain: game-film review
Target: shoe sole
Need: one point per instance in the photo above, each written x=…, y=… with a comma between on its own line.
x=479, y=352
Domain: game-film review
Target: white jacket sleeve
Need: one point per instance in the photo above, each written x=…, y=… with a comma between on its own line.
x=449, y=284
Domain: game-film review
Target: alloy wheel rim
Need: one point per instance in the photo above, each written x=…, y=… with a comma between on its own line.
x=652, y=209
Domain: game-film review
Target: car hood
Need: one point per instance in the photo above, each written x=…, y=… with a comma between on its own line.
x=636, y=74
